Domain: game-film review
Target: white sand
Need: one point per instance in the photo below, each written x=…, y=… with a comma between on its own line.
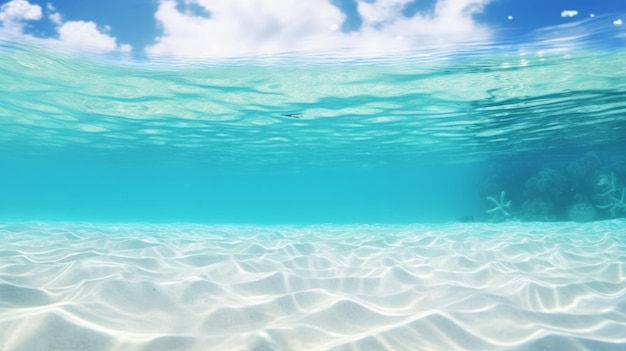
x=191, y=287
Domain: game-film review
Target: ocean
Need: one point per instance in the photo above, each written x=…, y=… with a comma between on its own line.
x=469, y=198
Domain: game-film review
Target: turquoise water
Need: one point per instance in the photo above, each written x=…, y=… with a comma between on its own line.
x=294, y=140
x=469, y=198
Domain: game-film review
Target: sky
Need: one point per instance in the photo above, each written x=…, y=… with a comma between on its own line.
x=224, y=28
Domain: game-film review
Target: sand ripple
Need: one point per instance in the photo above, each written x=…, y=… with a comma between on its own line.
x=423, y=287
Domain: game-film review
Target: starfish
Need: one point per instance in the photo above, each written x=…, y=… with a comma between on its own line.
x=615, y=203
x=500, y=206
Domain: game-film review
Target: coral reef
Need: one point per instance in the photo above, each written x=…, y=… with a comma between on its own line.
x=581, y=212
x=606, y=185
x=581, y=190
x=549, y=184
x=538, y=210
x=612, y=203
x=580, y=171
x=606, y=197
x=543, y=193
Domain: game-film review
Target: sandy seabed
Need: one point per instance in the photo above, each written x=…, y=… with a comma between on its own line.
x=512, y=286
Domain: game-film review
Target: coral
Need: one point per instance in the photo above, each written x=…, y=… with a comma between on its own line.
x=538, y=209
x=580, y=171
x=606, y=194
x=546, y=193
x=606, y=185
x=612, y=203
x=549, y=184
x=581, y=211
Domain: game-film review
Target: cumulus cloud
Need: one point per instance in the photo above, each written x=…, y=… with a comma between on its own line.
x=252, y=27
x=71, y=34
x=569, y=13
x=77, y=34
x=53, y=16
x=451, y=21
x=244, y=26
x=15, y=13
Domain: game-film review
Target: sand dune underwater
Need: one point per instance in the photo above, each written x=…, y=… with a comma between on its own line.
x=559, y=286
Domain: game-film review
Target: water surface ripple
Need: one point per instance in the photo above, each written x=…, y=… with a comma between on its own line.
x=463, y=107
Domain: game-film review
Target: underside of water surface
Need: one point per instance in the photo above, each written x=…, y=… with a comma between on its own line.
x=423, y=138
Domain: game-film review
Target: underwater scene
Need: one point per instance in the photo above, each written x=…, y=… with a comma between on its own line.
x=466, y=197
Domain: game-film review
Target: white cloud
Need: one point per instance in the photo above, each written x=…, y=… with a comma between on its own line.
x=252, y=27
x=569, y=13
x=246, y=26
x=618, y=22
x=55, y=18
x=14, y=13
x=72, y=34
x=81, y=34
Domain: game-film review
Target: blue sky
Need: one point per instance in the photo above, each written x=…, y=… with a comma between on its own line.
x=206, y=28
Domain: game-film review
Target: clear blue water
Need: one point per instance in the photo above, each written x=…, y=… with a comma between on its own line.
x=304, y=140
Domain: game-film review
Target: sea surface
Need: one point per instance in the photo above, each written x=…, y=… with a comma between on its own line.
x=457, y=198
